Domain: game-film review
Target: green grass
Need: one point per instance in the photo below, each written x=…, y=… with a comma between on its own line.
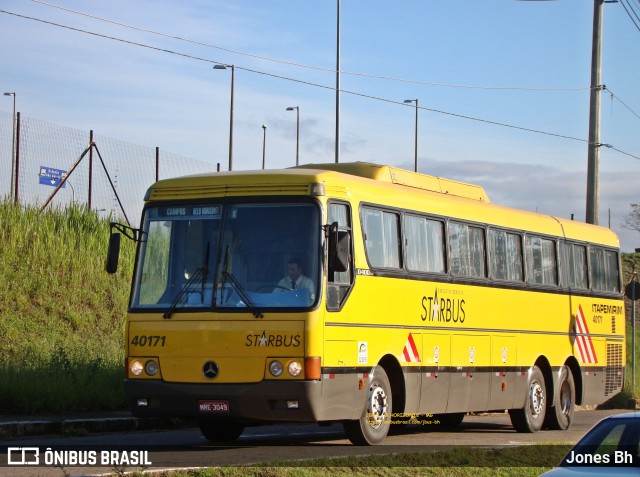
x=630, y=262
x=61, y=315
x=460, y=462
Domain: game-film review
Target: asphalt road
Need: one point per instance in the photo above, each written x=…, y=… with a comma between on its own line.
x=187, y=448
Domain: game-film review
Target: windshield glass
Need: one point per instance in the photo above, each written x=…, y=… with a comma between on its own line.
x=232, y=256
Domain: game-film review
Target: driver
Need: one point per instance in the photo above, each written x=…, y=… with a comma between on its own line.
x=295, y=279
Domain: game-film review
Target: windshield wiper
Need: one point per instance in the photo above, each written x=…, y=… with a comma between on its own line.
x=243, y=294
x=226, y=275
x=197, y=274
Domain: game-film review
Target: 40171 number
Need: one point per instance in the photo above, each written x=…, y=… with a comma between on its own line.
x=148, y=340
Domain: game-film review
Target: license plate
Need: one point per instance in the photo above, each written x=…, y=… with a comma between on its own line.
x=213, y=406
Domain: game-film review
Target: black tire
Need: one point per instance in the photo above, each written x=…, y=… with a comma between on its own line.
x=531, y=417
x=374, y=424
x=220, y=431
x=560, y=415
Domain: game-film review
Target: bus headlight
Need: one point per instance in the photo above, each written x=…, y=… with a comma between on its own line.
x=136, y=367
x=294, y=368
x=151, y=367
x=275, y=368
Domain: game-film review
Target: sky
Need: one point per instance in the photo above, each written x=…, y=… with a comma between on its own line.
x=471, y=64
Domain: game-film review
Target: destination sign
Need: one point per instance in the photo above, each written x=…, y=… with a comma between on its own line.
x=195, y=211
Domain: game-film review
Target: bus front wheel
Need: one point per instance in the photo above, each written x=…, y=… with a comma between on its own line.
x=531, y=417
x=559, y=417
x=220, y=431
x=374, y=423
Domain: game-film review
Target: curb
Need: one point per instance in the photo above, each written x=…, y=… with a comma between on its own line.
x=79, y=426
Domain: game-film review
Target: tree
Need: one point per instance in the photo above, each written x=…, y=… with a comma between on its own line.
x=632, y=220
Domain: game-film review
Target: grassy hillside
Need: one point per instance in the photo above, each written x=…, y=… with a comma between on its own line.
x=62, y=315
x=631, y=262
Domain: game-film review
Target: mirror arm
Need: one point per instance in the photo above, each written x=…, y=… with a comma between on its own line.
x=129, y=232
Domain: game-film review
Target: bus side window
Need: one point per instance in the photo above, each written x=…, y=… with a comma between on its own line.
x=505, y=252
x=573, y=266
x=541, y=261
x=467, y=250
x=339, y=283
x=611, y=271
x=604, y=270
x=424, y=244
x=382, y=238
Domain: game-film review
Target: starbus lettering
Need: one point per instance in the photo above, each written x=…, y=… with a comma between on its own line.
x=268, y=340
x=442, y=309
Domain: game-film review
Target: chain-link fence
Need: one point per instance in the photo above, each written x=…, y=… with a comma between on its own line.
x=47, y=151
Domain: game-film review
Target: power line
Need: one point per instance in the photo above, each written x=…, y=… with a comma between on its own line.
x=108, y=37
x=622, y=2
x=354, y=93
x=621, y=152
x=401, y=103
x=632, y=8
x=620, y=101
x=299, y=65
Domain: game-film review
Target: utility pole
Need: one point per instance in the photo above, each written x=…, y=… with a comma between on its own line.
x=337, y=145
x=593, y=158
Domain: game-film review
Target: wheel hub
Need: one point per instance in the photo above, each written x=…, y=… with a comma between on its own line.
x=536, y=399
x=377, y=409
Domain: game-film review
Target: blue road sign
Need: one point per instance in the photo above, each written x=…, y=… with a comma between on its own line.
x=52, y=177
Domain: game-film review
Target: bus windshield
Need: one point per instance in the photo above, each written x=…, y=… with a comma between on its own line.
x=228, y=256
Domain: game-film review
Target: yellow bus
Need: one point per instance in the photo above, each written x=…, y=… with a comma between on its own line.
x=367, y=295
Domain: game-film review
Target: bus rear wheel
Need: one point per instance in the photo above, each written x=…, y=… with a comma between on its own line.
x=220, y=431
x=531, y=417
x=373, y=425
x=559, y=417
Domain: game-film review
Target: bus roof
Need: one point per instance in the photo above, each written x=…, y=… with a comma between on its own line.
x=296, y=180
x=406, y=178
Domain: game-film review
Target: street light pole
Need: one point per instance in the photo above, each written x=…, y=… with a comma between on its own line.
x=13, y=143
x=233, y=74
x=415, y=159
x=264, y=145
x=297, y=108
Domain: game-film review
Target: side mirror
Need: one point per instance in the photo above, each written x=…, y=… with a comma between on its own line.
x=339, y=248
x=113, y=253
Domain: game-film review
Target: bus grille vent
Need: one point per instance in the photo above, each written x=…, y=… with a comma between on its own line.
x=613, y=325
x=614, y=374
x=226, y=190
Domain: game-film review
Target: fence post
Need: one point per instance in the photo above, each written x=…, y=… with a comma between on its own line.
x=90, y=167
x=17, y=157
x=157, y=163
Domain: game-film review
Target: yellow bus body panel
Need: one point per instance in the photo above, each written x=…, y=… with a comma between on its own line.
x=241, y=348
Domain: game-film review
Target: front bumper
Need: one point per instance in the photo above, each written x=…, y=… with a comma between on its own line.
x=263, y=401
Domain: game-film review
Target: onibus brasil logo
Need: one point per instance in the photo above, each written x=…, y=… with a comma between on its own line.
x=34, y=456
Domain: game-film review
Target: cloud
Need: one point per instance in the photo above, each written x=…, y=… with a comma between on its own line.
x=549, y=190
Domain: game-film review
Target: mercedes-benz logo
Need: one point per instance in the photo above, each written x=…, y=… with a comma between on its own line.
x=210, y=369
